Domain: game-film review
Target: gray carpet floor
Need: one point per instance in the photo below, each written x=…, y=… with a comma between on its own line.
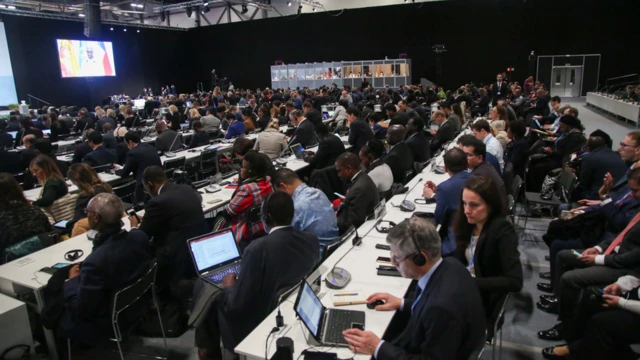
x=522, y=319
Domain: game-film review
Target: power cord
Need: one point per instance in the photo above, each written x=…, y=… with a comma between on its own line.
x=266, y=343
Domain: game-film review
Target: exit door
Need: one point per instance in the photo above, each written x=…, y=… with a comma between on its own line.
x=566, y=81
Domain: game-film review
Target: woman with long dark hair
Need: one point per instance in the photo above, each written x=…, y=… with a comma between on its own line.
x=45, y=170
x=57, y=127
x=89, y=184
x=487, y=243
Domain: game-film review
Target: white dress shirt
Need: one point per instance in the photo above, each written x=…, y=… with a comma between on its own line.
x=495, y=148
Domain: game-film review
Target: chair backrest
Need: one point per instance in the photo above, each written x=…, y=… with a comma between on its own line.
x=173, y=164
x=516, y=186
x=507, y=175
x=566, y=183
x=125, y=191
x=209, y=160
x=128, y=295
x=497, y=316
x=330, y=248
x=103, y=168
x=408, y=175
x=61, y=209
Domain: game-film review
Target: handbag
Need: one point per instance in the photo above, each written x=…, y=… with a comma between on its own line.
x=549, y=184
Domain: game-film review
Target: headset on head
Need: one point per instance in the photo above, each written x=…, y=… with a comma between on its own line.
x=418, y=259
x=264, y=210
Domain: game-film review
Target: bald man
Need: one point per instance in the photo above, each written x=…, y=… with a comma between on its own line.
x=399, y=156
x=445, y=133
x=166, y=140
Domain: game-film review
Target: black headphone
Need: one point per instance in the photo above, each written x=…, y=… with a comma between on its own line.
x=418, y=259
x=73, y=255
x=385, y=229
x=264, y=213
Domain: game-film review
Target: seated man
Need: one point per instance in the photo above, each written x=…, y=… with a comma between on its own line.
x=397, y=118
x=313, y=210
x=270, y=264
x=467, y=140
x=482, y=131
x=118, y=258
x=399, y=157
x=447, y=195
x=329, y=149
x=416, y=141
x=362, y=196
x=172, y=216
x=139, y=157
x=599, y=265
x=100, y=155
x=445, y=133
x=444, y=319
x=476, y=152
x=595, y=165
x=167, y=140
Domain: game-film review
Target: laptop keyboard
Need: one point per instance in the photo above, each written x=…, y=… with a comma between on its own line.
x=216, y=277
x=339, y=321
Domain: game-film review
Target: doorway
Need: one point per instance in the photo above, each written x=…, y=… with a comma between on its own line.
x=566, y=81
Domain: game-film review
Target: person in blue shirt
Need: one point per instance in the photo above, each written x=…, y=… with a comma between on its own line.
x=313, y=210
x=296, y=100
x=465, y=140
x=236, y=128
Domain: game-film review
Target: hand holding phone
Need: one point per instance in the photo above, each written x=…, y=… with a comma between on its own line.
x=577, y=254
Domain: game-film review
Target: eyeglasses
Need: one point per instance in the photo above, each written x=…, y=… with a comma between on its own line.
x=394, y=259
x=623, y=145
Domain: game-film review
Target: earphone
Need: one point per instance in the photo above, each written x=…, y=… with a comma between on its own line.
x=264, y=213
x=73, y=255
x=385, y=229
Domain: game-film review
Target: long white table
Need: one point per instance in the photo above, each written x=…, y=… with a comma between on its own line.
x=34, y=194
x=620, y=108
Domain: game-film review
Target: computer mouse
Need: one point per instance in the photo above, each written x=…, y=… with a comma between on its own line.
x=373, y=305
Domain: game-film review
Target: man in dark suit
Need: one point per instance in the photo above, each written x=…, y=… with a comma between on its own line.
x=312, y=114
x=416, y=141
x=596, y=266
x=305, y=133
x=447, y=195
x=499, y=89
x=600, y=161
x=100, y=155
x=396, y=117
x=104, y=119
x=84, y=122
x=445, y=133
x=476, y=152
x=359, y=130
x=399, y=157
x=140, y=157
x=172, y=216
x=444, y=318
x=10, y=162
x=362, y=195
x=82, y=149
x=329, y=149
x=270, y=265
x=118, y=259
x=167, y=140
x=108, y=139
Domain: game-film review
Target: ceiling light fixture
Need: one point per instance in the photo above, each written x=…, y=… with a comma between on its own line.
x=125, y=29
x=111, y=29
x=138, y=30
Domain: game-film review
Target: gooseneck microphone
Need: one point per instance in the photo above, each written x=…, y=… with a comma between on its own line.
x=170, y=153
x=338, y=278
x=408, y=205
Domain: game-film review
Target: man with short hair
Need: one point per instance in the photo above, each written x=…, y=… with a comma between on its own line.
x=447, y=195
x=65, y=118
x=271, y=265
x=305, y=133
x=595, y=165
x=445, y=133
x=313, y=210
x=362, y=196
x=346, y=97
x=29, y=152
x=443, y=318
x=140, y=157
x=167, y=140
x=482, y=131
x=104, y=119
x=84, y=122
x=399, y=157
x=359, y=130
x=416, y=141
x=312, y=114
x=82, y=149
x=210, y=122
x=499, y=89
x=476, y=152
x=99, y=155
x=329, y=148
x=395, y=117
x=118, y=258
x=451, y=116
x=108, y=139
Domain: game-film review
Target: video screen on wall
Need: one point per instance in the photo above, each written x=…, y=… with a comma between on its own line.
x=82, y=58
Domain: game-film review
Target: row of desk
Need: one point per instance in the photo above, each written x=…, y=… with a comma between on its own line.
x=623, y=109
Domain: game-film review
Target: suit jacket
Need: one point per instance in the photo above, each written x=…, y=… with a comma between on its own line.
x=400, y=118
x=271, y=142
x=270, y=264
x=497, y=263
x=109, y=141
x=315, y=117
x=171, y=218
x=497, y=93
x=566, y=145
x=328, y=151
x=116, y=261
x=104, y=120
x=446, y=322
x=455, y=121
x=83, y=124
x=400, y=160
x=100, y=156
x=359, y=202
x=445, y=133
x=485, y=169
x=448, y=194
x=593, y=168
x=6, y=140
x=305, y=135
x=138, y=159
x=359, y=134
x=628, y=255
x=419, y=148
x=80, y=151
x=542, y=106
x=517, y=154
x=166, y=139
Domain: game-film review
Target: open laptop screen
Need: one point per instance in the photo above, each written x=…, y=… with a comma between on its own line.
x=309, y=308
x=214, y=249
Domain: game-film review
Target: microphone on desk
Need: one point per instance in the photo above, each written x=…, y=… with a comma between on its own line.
x=408, y=205
x=338, y=278
x=170, y=153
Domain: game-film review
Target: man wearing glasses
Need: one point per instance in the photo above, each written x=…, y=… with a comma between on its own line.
x=445, y=315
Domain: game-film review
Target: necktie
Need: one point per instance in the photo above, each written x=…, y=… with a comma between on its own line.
x=620, y=236
x=418, y=292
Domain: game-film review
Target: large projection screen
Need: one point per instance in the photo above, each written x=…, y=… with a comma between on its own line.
x=82, y=58
x=7, y=84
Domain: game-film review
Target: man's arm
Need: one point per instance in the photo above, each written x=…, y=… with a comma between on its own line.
x=243, y=294
x=84, y=291
x=356, y=208
x=130, y=164
x=321, y=155
x=352, y=134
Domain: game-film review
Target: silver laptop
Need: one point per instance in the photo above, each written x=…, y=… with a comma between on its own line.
x=215, y=255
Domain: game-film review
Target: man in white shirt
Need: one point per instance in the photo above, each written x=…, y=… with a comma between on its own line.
x=482, y=131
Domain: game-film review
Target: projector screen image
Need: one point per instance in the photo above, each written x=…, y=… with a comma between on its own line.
x=80, y=58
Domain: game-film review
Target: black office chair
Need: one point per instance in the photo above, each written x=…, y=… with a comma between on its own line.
x=208, y=164
x=126, y=193
x=173, y=166
x=327, y=249
x=496, y=327
x=408, y=175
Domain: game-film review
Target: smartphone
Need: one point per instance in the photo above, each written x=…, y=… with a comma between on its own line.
x=576, y=253
x=384, y=260
x=52, y=270
x=600, y=290
x=132, y=212
x=388, y=268
x=62, y=224
x=339, y=195
x=388, y=273
x=383, y=247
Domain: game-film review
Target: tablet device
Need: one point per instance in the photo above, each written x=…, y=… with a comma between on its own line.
x=62, y=224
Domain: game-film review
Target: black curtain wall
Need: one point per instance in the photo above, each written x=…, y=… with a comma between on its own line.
x=483, y=37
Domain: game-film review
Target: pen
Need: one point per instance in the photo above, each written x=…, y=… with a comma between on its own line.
x=354, y=294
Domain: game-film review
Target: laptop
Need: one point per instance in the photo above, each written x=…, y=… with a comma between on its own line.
x=215, y=255
x=46, y=132
x=325, y=325
x=297, y=150
x=12, y=133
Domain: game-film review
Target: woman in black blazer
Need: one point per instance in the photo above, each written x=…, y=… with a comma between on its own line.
x=172, y=118
x=487, y=244
x=518, y=148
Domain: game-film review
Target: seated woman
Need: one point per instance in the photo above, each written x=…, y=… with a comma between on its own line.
x=378, y=171
x=254, y=187
x=271, y=141
x=57, y=127
x=200, y=137
x=517, y=151
x=172, y=118
x=570, y=141
x=45, y=170
x=497, y=130
x=250, y=120
x=19, y=220
x=89, y=183
x=487, y=243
